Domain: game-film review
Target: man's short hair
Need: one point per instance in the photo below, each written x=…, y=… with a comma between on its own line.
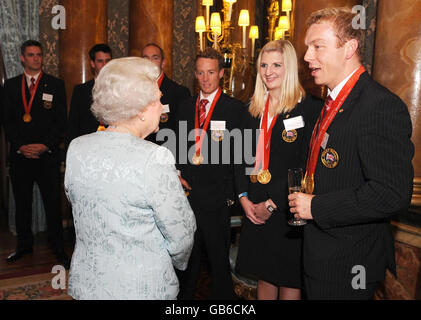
x=342, y=19
x=29, y=43
x=101, y=47
x=210, y=53
x=156, y=46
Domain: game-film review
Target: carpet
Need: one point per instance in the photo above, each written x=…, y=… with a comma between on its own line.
x=35, y=287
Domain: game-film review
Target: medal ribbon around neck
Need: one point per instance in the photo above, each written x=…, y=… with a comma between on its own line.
x=263, y=145
x=27, y=106
x=199, y=139
x=317, y=137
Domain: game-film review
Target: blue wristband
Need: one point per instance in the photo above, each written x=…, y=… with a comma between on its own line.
x=244, y=194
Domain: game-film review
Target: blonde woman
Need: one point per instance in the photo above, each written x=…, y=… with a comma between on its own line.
x=270, y=249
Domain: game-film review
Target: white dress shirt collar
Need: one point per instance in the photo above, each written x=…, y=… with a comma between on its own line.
x=210, y=98
x=335, y=92
x=28, y=78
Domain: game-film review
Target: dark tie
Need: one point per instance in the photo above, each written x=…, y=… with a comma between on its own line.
x=202, y=106
x=32, y=87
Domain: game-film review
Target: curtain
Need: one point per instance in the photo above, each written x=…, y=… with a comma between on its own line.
x=19, y=21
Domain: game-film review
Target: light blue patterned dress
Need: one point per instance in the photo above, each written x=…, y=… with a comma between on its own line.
x=132, y=219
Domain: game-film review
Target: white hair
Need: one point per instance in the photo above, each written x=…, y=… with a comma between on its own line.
x=123, y=88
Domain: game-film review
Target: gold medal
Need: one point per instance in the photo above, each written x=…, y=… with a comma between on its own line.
x=164, y=117
x=27, y=118
x=101, y=128
x=217, y=135
x=197, y=159
x=264, y=177
x=289, y=136
x=330, y=158
x=48, y=105
x=308, y=184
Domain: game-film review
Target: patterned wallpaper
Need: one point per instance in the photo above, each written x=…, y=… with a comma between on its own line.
x=370, y=35
x=49, y=37
x=118, y=27
x=184, y=49
x=184, y=46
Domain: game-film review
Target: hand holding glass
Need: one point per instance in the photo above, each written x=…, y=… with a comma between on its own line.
x=295, y=180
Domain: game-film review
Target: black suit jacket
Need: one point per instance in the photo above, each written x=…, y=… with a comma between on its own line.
x=1, y=105
x=48, y=125
x=81, y=119
x=172, y=94
x=212, y=182
x=372, y=182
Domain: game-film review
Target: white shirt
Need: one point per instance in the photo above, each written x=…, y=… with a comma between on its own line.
x=28, y=78
x=210, y=98
x=335, y=92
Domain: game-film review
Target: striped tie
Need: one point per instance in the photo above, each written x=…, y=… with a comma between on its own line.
x=32, y=87
x=202, y=106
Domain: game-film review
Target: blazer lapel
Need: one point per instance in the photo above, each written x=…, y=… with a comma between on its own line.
x=350, y=100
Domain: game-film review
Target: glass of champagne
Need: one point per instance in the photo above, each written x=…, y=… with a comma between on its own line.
x=295, y=184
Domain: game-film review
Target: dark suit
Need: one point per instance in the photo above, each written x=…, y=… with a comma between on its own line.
x=81, y=119
x=1, y=105
x=354, y=201
x=212, y=185
x=172, y=95
x=47, y=127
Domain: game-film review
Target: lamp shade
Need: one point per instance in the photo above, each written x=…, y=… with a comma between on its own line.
x=230, y=1
x=207, y=2
x=244, y=18
x=215, y=23
x=286, y=5
x=278, y=33
x=200, y=24
x=254, y=32
x=283, y=23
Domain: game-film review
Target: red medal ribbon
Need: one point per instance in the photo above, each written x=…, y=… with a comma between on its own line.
x=160, y=79
x=27, y=106
x=263, y=145
x=199, y=140
x=317, y=137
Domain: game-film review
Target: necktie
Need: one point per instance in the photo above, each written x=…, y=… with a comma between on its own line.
x=202, y=107
x=325, y=111
x=328, y=103
x=32, y=87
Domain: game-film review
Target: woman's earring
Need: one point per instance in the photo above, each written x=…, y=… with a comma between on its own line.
x=143, y=118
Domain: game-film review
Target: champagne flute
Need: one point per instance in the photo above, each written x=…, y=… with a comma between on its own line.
x=295, y=184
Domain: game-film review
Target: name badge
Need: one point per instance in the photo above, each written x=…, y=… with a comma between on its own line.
x=294, y=123
x=47, y=97
x=217, y=125
x=325, y=139
x=166, y=108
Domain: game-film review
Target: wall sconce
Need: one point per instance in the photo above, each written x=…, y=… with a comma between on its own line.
x=287, y=7
x=200, y=28
x=253, y=35
x=207, y=4
x=244, y=22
